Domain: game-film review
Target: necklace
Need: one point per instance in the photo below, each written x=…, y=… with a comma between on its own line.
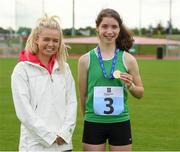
x=102, y=64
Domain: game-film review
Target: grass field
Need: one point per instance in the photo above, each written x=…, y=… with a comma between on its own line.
x=155, y=118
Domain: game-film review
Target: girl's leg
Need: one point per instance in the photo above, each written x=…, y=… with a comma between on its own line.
x=120, y=148
x=94, y=136
x=120, y=137
x=90, y=147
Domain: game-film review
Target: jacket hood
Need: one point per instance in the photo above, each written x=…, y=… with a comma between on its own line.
x=25, y=55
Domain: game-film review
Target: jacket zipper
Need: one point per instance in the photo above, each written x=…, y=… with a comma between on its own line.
x=51, y=78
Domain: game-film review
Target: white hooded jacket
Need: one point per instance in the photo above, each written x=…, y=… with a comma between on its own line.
x=45, y=104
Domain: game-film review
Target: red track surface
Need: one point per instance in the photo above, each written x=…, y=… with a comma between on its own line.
x=138, y=40
x=76, y=56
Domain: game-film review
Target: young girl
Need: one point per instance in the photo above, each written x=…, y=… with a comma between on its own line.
x=105, y=74
x=44, y=92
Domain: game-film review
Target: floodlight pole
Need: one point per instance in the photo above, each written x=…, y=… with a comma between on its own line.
x=170, y=16
x=43, y=7
x=73, y=19
x=15, y=15
x=140, y=7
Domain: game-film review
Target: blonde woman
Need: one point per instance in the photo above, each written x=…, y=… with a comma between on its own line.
x=43, y=91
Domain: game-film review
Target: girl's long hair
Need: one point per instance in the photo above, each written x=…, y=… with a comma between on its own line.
x=125, y=40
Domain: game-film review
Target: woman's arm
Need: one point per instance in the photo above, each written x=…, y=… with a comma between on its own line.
x=69, y=123
x=24, y=111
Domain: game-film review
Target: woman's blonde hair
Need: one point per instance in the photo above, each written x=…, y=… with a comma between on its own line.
x=52, y=23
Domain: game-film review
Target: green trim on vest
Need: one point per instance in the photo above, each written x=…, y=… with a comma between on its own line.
x=96, y=78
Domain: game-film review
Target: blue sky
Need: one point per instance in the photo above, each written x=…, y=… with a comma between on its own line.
x=27, y=12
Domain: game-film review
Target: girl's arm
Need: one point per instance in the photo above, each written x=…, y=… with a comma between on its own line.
x=82, y=79
x=132, y=79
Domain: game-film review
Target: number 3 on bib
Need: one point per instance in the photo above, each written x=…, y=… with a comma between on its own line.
x=108, y=100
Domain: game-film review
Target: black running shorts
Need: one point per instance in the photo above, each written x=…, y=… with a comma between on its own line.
x=117, y=134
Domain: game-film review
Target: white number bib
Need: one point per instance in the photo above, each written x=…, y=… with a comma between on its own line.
x=108, y=100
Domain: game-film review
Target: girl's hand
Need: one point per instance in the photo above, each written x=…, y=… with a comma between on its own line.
x=127, y=79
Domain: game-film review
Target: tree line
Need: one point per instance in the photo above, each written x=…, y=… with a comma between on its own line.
x=90, y=31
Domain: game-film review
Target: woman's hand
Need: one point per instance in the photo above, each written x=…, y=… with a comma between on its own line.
x=59, y=140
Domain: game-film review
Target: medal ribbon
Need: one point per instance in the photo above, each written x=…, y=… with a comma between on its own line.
x=102, y=64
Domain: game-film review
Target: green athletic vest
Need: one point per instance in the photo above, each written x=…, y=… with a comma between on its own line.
x=96, y=78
